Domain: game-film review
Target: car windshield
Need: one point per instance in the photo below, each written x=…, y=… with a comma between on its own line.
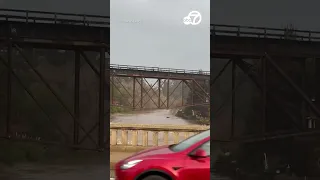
x=190, y=141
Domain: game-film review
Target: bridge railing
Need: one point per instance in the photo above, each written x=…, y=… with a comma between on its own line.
x=157, y=69
x=53, y=17
x=261, y=32
x=141, y=136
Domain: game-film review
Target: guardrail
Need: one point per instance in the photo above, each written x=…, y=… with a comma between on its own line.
x=53, y=18
x=141, y=136
x=157, y=69
x=262, y=32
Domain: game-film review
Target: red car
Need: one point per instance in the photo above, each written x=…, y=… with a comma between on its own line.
x=187, y=160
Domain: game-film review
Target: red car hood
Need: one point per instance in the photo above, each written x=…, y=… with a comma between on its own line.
x=149, y=153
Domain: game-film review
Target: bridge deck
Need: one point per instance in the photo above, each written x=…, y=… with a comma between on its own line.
x=252, y=42
x=156, y=72
x=53, y=30
x=41, y=17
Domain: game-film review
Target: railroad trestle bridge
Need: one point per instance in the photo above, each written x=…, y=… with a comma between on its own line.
x=162, y=88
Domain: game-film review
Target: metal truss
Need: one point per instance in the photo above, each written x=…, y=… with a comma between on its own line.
x=82, y=135
x=269, y=76
x=139, y=93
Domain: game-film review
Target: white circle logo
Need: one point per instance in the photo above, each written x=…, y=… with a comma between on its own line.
x=193, y=18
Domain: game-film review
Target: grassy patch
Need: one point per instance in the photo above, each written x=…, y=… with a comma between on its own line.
x=203, y=121
x=117, y=109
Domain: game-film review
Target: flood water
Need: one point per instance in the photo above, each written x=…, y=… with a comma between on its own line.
x=153, y=117
x=163, y=117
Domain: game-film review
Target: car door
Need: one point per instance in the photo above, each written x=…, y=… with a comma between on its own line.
x=197, y=168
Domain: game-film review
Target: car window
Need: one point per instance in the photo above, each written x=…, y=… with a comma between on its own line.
x=183, y=145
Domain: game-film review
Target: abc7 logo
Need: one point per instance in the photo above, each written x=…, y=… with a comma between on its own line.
x=193, y=18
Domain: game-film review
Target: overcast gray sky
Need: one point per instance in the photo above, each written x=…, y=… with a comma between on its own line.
x=152, y=33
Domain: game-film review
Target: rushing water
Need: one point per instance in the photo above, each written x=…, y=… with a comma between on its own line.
x=153, y=117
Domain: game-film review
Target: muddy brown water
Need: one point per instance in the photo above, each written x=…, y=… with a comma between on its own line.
x=154, y=117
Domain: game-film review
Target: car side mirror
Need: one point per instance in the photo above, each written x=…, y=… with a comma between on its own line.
x=199, y=153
